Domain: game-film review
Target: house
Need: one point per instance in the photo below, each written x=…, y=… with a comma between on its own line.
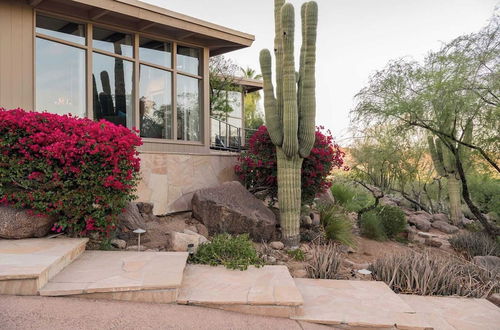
x=133, y=64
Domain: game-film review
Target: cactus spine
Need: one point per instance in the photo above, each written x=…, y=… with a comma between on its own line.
x=290, y=115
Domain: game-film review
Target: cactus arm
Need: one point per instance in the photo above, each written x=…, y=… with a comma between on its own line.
x=302, y=57
x=278, y=55
x=290, y=113
x=307, y=125
x=436, y=159
x=273, y=118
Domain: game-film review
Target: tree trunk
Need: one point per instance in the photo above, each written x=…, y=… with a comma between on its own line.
x=455, y=202
x=289, y=197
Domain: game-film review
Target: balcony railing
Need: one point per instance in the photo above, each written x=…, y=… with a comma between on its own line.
x=224, y=136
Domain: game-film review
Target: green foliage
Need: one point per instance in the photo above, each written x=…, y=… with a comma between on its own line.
x=325, y=261
x=297, y=254
x=337, y=225
x=485, y=191
x=371, y=226
x=433, y=274
x=475, y=244
x=392, y=219
x=350, y=197
x=234, y=252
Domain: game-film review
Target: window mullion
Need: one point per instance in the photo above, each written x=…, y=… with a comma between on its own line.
x=89, y=71
x=174, y=91
x=136, y=77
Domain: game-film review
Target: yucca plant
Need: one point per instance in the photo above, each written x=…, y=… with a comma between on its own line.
x=325, y=261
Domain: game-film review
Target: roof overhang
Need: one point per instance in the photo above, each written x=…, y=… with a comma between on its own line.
x=142, y=17
x=249, y=85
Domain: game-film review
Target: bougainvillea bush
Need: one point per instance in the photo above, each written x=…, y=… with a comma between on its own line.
x=80, y=171
x=257, y=170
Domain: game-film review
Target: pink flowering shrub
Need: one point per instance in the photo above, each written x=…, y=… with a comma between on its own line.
x=257, y=168
x=80, y=171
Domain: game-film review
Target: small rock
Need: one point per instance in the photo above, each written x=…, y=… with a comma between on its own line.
x=277, y=245
x=412, y=232
x=488, y=262
x=119, y=243
x=495, y=298
x=306, y=221
x=316, y=219
x=134, y=248
x=364, y=271
x=425, y=235
x=145, y=208
x=420, y=222
x=444, y=227
x=299, y=273
x=434, y=242
x=464, y=222
x=179, y=241
x=439, y=217
x=270, y=260
x=152, y=250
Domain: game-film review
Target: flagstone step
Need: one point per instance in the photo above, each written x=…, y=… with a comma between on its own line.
x=452, y=313
x=121, y=275
x=356, y=305
x=269, y=290
x=26, y=265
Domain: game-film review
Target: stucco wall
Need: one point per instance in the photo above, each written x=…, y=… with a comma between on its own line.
x=169, y=180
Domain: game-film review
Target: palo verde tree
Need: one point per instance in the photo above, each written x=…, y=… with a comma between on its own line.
x=290, y=115
x=454, y=96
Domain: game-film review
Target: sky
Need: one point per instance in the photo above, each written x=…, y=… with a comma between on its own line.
x=355, y=39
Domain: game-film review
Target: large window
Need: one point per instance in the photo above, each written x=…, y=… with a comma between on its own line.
x=167, y=103
x=60, y=68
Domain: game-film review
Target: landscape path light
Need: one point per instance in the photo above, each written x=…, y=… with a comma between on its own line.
x=139, y=231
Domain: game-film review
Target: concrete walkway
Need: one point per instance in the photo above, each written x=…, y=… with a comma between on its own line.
x=73, y=313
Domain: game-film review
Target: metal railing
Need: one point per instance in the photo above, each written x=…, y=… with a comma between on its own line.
x=224, y=136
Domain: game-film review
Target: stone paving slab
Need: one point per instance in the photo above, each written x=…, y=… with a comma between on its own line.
x=455, y=313
x=118, y=271
x=355, y=304
x=27, y=264
x=265, y=286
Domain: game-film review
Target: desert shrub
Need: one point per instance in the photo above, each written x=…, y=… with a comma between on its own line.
x=337, y=225
x=350, y=197
x=473, y=244
x=325, y=261
x=234, y=252
x=80, y=171
x=297, y=254
x=431, y=274
x=485, y=192
x=392, y=219
x=257, y=168
x=371, y=226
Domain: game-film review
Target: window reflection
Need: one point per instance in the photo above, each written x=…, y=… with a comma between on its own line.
x=112, y=86
x=61, y=29
x=60, y=78
x=155, y=103
x=113, y=42
x=188, y=108
x=188, y=60
x=156, y=52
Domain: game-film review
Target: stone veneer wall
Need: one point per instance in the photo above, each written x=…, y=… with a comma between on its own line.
x=169, y=180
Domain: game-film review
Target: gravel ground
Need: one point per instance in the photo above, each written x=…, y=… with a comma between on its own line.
x=72, y=313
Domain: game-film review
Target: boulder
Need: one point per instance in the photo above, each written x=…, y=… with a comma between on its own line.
x=440, y=217
x=445, y=227
x=145, y=208
x=131, y=219
x=20, y=223
x=119, y=243
x=465, y=222
x=420, y=221
x=230, y=208
x=325, y=198
x=306, y=221
x=277, y=245
x=316, y=218
x=488, y=262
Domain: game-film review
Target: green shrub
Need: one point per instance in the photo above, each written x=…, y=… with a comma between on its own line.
x=485, y=192
x=392, y=219
x=473, y=244
x=325, y=261
x=431, y=274
x=297, y=254
x=234, y=252
x=342, y=193
x=337, y=225
x=350, y=197
x=371, y=226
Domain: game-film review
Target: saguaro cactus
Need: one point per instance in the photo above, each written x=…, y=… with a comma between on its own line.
x=290, y=115
x=445, y=165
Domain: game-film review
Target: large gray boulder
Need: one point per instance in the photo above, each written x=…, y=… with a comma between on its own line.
x=19, y=223
x=325, y=198
x=131, y=218
x=230, y=208
x=445, y=227
x=421, y=221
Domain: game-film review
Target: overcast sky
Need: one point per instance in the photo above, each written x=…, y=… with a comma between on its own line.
x=355, y=38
